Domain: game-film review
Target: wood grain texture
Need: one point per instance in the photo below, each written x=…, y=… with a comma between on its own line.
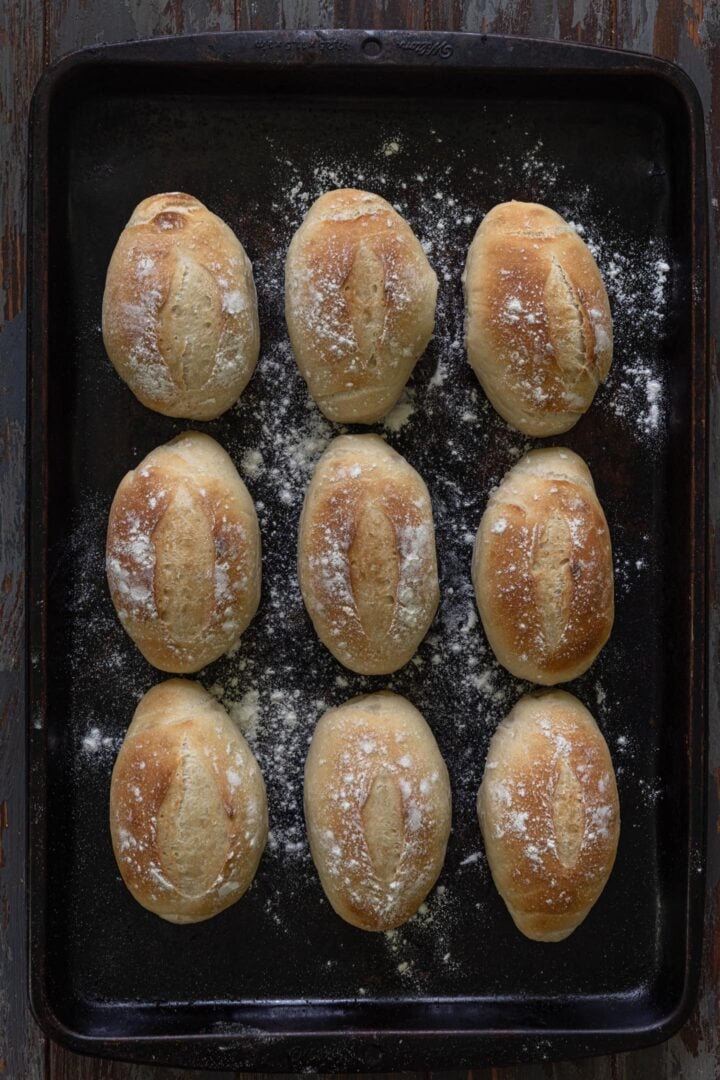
x=33, y=33
x=65, y=1066
x=283, y=14
x=689, y=33
x=22, y=1053
x=71, y=24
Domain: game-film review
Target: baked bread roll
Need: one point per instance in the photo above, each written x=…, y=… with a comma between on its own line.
x=366, y=555
x=378, y=809
x=183, y=554
x=359, y=304
x=188, y=814
x=538, y=327
x=542, y=569
x=549, y=813
x=179, y=315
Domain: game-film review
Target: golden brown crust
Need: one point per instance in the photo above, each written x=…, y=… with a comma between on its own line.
x=538, y=325
x=180, y=320
x=366, y=555
x=188, y=812
x=542, y=569
x=359, y=303
x=183, y=554
x=549, y=813
x=378, y=809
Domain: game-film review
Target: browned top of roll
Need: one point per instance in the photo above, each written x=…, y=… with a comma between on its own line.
x=188, y=814
x=549, y=812
x=179, y=313
x=359, y=302
x=542, y=568
x=378, y=809
x=539, y=329
x=367, y=563
x=183, y=554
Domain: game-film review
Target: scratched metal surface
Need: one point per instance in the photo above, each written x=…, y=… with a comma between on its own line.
x=33, y=33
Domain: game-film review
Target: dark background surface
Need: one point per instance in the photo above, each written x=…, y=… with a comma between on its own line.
x=34, y=36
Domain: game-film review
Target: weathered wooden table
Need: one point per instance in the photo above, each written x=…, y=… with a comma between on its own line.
x=35, y=32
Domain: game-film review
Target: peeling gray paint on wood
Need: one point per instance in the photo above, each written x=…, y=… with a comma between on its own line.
x=497, y=16
x=636, y=23
x=307, y=14
x=687, y=30
x=22, y=1051
x=75, y=23
x=191, y=17
x=258, y=15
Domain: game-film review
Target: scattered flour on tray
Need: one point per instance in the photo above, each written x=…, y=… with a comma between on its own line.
x=280, y=679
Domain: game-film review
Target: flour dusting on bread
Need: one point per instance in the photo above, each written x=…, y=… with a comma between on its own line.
x=366, y=555
x=549, y=813
x=359, y=302
x=183, y=554
x=377, y=805
x=188, y=812
x=180, y=321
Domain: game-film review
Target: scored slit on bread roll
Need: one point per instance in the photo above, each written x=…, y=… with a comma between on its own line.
x=366, y=555
x=183, y=554
x=542, y=569
x=537, y=319
x=549, y=813
x=359, y=304
x=188, y=811
x=180, y=321
x=378, y=809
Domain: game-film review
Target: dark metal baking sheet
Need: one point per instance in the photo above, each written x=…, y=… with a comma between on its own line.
x=256, y=125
